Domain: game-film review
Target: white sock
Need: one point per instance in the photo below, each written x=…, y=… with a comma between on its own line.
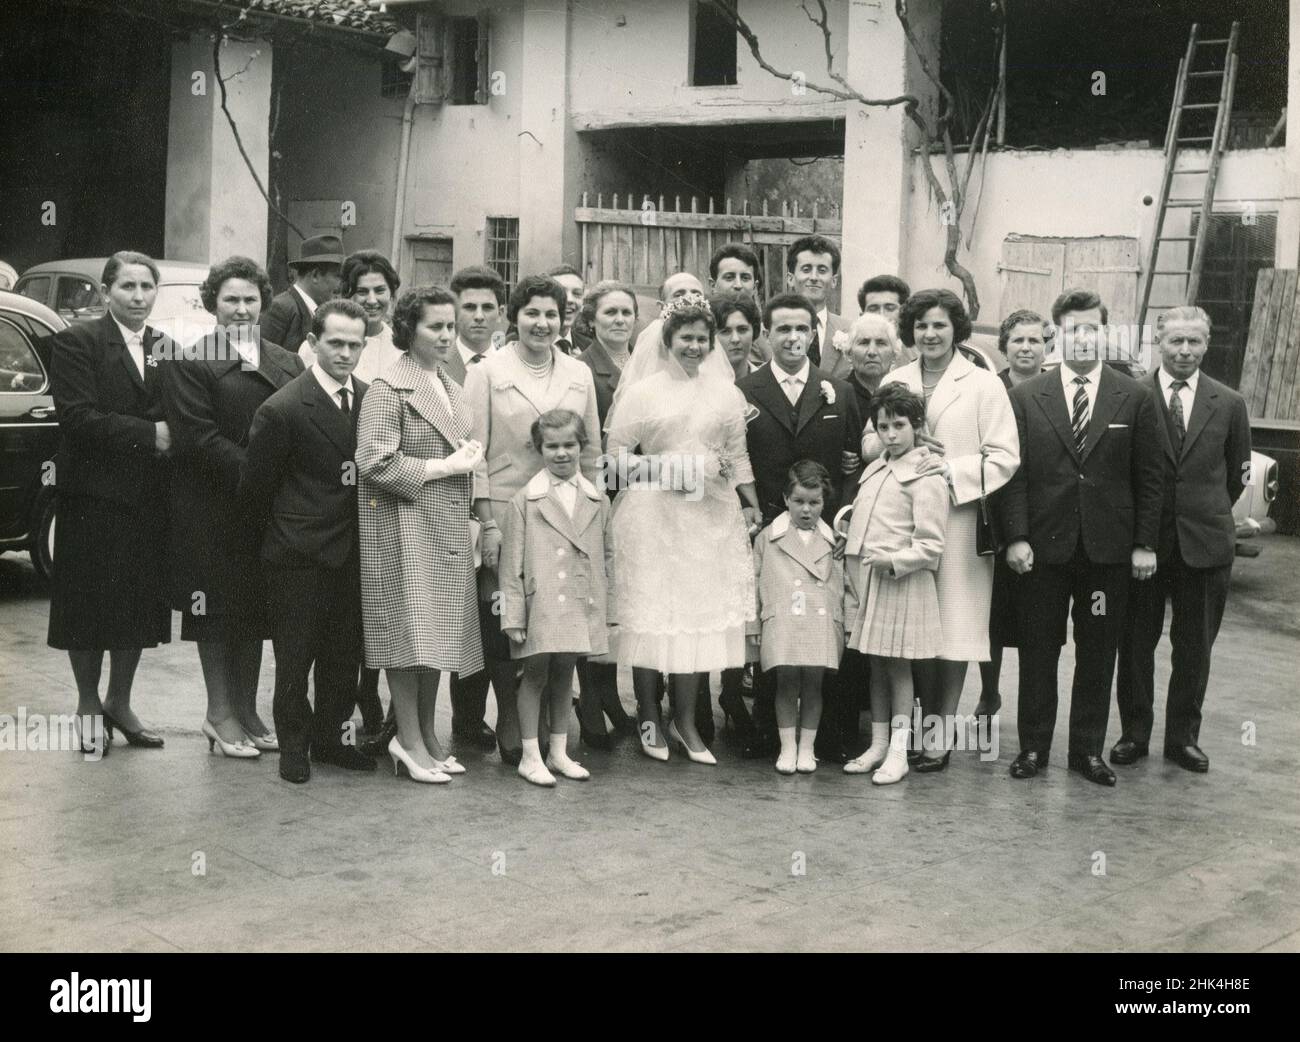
x=807, y=761
x=785, y=763
x=532, y=751
x=875, y=753
x=894, y=769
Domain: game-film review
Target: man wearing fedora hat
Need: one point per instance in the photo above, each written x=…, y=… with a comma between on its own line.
x=315, y=280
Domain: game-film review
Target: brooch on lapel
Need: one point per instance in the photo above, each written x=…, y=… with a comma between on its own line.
x=151, y=360
x=828, y=392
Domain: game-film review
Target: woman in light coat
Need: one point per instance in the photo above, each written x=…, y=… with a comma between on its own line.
x=971, y=429
x=506, y=392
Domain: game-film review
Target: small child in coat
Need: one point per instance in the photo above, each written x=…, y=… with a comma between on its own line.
x=557, y=586
x=800, y=622
x=891, y=603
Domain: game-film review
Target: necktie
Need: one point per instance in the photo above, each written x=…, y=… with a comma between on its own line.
x=135, y=348
x=474, y=359
x=343, y=401
x=1176, y=409
x=563, y=344
x=1079, y=420
x=791, y=389
x=815, y=347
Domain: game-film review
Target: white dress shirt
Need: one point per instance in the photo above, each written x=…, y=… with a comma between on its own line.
x=792, y=385
x=134, y=345
x=467, y=352
x=1090, y=388
x=822, y=320
x=567, y=491
x=311, y=304
x=1185, y=394
x=332, y=387
x=805, y=535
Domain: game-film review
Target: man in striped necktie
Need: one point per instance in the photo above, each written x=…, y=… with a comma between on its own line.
x=1080, y=517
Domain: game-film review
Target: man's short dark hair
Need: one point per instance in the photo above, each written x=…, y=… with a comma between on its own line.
x=337, y=306
x=884, y=284
x=302, y=269
x=409, y=309
x=479, y=277
x=563, y=269
x=737, y=250
x=1077, y=300
x=789, y=300
x=812, y=244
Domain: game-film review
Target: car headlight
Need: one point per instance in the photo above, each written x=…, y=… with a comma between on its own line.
x=1270, y=483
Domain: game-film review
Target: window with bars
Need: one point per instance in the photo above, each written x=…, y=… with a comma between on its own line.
x=501, y=248
x=393, y=82
x=1239, y=244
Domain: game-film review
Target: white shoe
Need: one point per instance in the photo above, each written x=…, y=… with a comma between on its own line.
x=450, y=766
x=676, y=736
x=894, y=768
x=241, y=750
x=536, y=773
x=655, y=752
x=787, y=762
x=417, y=773
x=806, y=762
x=868, y=761
x=569, y=768
x=266, y=743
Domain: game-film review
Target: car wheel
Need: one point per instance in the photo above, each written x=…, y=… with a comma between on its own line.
x=43, y=542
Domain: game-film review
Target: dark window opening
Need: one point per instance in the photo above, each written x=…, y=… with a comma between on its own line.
x=713, y=48
x=1238, y=246
x=1056, y=49
x=394, y=83
x=501, y=248
x=467, y=61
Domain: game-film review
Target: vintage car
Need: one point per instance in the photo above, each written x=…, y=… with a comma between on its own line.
x=29, y=432
x=71, y=287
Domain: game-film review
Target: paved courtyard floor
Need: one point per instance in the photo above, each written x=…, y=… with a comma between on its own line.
x=182, y=851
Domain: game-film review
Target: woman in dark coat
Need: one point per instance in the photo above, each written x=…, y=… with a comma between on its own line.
x=111, y=479
x=609, y=310
x=210, y=398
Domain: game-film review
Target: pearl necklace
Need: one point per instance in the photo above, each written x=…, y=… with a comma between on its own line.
x=541, y=371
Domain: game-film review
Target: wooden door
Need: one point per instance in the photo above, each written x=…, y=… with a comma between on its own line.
x=429, y=262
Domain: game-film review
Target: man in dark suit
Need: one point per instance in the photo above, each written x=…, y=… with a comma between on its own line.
x=315, y=269
x=299, y=487
x=813, y=270
x=1204, y=436
x=798, y=412
x=1080, y=516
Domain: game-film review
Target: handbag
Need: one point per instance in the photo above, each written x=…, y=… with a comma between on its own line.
x=986, y=544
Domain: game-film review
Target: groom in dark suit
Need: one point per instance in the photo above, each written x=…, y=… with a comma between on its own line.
x=798, y=412
x=299, y=487
x=1204, y=436
x=1080, y=516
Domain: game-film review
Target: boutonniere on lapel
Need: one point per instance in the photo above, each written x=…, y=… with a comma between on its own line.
x=828, y=392
x=840, y=341
x=151, y=360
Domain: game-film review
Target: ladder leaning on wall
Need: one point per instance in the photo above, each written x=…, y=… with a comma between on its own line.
x=1215, y=140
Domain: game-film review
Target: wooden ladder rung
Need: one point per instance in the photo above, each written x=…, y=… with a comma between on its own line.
x=1208, y=43
x=1184, y=202
x=1206, y=72
x=1176, y=238
x=1192, y=170
x=1186, y=140
x=1201, y=105
x=1172, y=271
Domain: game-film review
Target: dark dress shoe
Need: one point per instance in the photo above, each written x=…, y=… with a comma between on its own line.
x=832, y=752
x=294, y=765
x=929, y=765
x=1091, y=767
x=604, y=741
x=510, y=756
x=348, y=757
x=1028, y=764
x=1127, y=751
x=376, y=745
x=144, y=738
x=479, y=735
x=761, y=746
x=914, y=756
x=1188, y=757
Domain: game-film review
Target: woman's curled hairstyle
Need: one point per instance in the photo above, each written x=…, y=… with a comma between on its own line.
x=409, y=309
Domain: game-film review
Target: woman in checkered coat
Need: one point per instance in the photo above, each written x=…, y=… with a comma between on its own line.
x=415, y=463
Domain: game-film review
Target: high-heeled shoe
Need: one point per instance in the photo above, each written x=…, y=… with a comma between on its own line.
x=240, y=750
x=510, y=756
x=592, y=740
x=675, y=736
x=417, y=773
x=620, y=719
x=929, y=765
x=735, y=714
x=704, y=722
x=142, y=739
x=266, y=743
x=449, y=765
x=655, y=752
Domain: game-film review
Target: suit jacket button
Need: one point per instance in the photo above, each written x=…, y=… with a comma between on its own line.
x=798, y=582
x=559, y=551
x=821, y=611
x=560, y=598
x=820, y=584
x=591, y=600
x=559, y=575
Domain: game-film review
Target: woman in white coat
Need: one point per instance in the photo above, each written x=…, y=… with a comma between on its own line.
x=972, y=429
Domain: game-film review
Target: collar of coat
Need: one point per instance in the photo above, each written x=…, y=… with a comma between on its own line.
x=903, y=468
x=539, y=486
x=782, y=525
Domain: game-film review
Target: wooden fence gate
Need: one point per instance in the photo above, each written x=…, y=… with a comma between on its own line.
x=645, y=242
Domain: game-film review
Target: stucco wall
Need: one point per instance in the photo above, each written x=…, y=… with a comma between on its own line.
x=1070, y=193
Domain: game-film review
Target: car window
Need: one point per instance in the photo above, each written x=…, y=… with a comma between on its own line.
x=37, y=287
x=20, y=369
x=76, y=297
